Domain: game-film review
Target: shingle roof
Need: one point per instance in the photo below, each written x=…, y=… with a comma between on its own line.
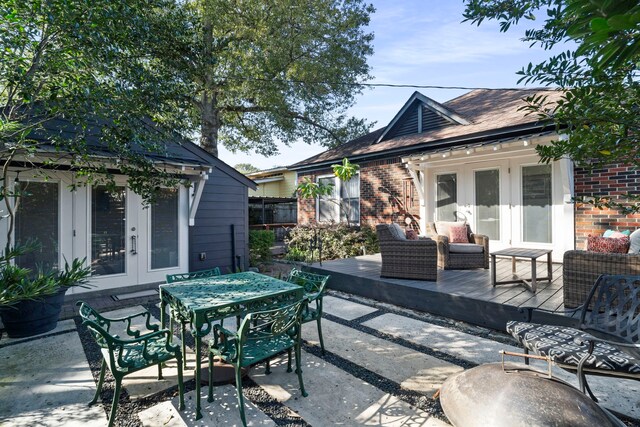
x=487, y=111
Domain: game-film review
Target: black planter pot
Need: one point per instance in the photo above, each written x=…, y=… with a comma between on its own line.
x=33, y=317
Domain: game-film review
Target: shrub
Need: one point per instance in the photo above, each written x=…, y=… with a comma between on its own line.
x=337, y=240
x=260, y=242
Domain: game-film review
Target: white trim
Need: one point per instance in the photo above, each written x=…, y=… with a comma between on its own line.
x=337, y=186
x=195, y=199
x=265, y=180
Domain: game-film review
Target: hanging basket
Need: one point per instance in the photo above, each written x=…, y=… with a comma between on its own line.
x=33, y=317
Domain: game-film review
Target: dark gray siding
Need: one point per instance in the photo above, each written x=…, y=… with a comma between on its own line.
x=223, y=211
x=407, y=125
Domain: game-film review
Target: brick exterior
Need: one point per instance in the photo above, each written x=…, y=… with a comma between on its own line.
x=612, y=181
x=387, y=194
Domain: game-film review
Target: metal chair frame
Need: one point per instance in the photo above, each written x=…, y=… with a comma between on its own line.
x=261, y=336
x=181, y=277
x=314, y=287
x=126, y=356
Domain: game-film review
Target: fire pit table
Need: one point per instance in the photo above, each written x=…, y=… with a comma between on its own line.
x=513, y=394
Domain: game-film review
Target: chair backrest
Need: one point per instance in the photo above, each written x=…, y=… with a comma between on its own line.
x=313, y=284
x=180, y=277
x=442, y=227
x=270, y=324
x=97, y=325
x=615, y=307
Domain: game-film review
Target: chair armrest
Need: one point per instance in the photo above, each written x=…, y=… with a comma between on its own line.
x=479, y=239
x=530, y=310
x=633, y=348
x=128, y=320
x=223, y=339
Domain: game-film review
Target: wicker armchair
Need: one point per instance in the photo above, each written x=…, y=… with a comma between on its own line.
x=581, y=269
x=458, y=256
x=406, y=259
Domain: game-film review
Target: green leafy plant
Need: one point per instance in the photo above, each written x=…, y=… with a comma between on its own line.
x=260, y=243
x=336, y=241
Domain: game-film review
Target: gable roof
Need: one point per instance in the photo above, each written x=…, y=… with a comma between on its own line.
x=479, y=115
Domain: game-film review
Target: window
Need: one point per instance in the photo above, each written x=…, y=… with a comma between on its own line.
x=446, y=197
x=487, y=206
x=37, y=220
x=164, y=230
x=536, y=203
x=344, y=198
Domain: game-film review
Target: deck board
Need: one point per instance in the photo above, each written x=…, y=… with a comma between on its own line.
x=469, y=289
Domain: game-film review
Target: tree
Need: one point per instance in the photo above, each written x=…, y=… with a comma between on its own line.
x=246, y=168
x=598, y=74
x=88, y=64
x=255, y=73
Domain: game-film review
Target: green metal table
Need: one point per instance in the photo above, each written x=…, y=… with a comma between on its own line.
x=202, y=301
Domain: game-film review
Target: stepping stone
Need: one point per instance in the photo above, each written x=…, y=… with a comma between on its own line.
x=223, y=411
x=47, y=382
x=344, y=309
x=412, y=369
x=335, y=397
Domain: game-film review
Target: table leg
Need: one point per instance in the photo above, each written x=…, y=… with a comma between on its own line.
x=493, y=270
x=549, y=268
x=533, y=275
x=198, y=340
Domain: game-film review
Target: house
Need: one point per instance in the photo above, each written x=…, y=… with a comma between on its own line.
x=273, y=205
x=471, y=158
x=199, y=225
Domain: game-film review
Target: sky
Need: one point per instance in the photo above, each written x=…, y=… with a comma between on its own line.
x=422, y=42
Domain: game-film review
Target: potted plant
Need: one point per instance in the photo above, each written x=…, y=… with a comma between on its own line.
x=30, y=302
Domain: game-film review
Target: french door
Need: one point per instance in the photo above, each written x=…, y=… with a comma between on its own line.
x=508, y=200
x=130, y=244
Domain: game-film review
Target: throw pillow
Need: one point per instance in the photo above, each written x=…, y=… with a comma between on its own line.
x=607, y=244
x=397, y=232
x=617, y=235
x=635, y=242
x=458, y=234
x=610, y=233
x=411, y=234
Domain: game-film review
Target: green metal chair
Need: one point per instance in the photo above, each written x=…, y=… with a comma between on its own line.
x=261, y=335
x=314, y=285
x=181, y=277
x=126, y=356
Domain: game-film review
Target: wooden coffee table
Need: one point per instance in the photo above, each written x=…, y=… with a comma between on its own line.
x=531, y=254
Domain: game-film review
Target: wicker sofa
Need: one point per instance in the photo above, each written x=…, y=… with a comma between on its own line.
x=458, y=256
x=406, y=259
x=581, y=269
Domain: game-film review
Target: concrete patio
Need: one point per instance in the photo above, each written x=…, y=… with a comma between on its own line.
x=382, y=367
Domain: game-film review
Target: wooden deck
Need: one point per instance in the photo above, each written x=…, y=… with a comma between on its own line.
x=460, y=294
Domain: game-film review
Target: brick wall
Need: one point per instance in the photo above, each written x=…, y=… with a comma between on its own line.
x=386, y=193
x=612, y=181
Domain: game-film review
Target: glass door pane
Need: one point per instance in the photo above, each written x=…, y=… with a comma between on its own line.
x=37, y=219
x=536, y=203
x=327, y=208
x=446, y=197
x=108, y=228
x=487, y=203
x=164, y=230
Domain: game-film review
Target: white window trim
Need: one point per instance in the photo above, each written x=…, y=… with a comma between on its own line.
x=337, y=186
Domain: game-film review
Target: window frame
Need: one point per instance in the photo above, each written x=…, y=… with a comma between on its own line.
x=337, y=189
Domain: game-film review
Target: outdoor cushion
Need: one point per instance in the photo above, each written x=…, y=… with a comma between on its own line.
x=465, y=248
x=635, y=242
x=458, y=234
x=397, y=232
x=411, y=234
x=610, y=233
x=558, y=343
x=442, y=227
x=608, y=244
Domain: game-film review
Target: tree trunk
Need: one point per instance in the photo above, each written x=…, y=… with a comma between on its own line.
x=210, y=115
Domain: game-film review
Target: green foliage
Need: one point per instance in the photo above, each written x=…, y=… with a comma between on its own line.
x=18, y=284
x=598, y=74
x=337, y=241
x=260, y=243
x=246, y=168
x=257, y=73
x=307, y=189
